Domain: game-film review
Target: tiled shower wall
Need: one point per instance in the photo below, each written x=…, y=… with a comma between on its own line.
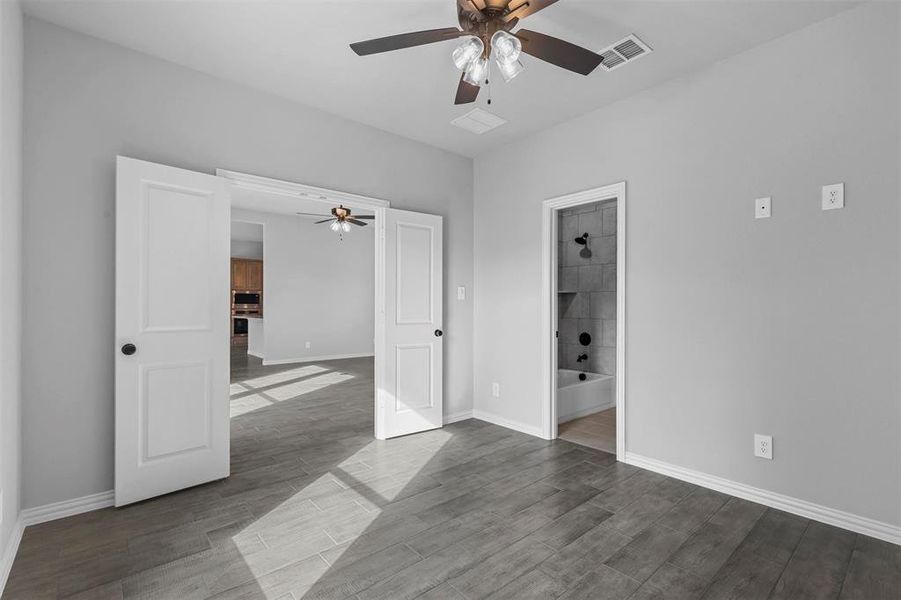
x=587, y=287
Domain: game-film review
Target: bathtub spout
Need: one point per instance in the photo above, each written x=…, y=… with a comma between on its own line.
x=582, y=357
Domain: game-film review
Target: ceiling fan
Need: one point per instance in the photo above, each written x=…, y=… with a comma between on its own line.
x=340, y=220
x=487, y=25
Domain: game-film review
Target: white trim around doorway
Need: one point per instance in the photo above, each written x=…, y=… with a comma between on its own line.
x=548, y=300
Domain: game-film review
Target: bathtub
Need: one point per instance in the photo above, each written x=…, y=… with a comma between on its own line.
x=579, y=398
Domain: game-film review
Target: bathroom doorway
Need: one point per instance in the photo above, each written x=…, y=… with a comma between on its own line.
x=584, y=285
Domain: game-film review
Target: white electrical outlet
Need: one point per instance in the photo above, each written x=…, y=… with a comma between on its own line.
x=833, y=196
x=762, y=208
x=763, y=446
x=496, y=390
x=309, y=345
x=461, y=293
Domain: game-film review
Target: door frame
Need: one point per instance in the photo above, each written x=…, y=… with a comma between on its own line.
x=330, y=197
x=548, y=300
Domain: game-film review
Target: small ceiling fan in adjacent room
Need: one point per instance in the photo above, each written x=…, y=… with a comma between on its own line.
x=487, y=28
x=341, y=219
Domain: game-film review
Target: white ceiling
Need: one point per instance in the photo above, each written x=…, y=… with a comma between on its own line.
x=281, y=204
x=299, y=50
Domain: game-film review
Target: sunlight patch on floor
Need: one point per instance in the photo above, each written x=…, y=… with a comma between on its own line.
x=299, y=388
x=282, y=376
x=246, y=404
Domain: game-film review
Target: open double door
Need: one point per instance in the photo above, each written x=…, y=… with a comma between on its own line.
x=172, y=327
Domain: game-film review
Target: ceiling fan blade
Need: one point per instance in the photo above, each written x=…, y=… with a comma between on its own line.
x=303, y=214
x=520, y=9
x=466, y=92
x=356, y=222
x=405, y=40
x=323, y=221
x=559, y=52
x=364, y=217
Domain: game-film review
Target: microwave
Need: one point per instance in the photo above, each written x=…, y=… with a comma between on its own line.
x=247, y=300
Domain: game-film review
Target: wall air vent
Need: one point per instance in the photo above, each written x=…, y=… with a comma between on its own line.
x=478, y=121
x=624, y=51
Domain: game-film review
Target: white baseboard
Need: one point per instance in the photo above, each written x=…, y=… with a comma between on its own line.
x=309, y=359
x=585, y=412
x=457, y=416
x=9, y=552
x=514, y=425
x=803, y=508
x=67, y=508
x=257, y=355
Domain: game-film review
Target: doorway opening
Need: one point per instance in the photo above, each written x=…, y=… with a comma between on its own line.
x=583, y=297
x=303, y=313
x=246, y=290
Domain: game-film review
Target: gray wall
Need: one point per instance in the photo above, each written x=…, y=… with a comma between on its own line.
x=10, y=263
x=787, y=326
x=305, y=298
x=245, y=249
x=87, y=101
x=587, y=284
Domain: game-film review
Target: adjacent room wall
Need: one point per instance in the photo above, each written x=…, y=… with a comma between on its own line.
x=10, y=274
x=317, y=288
x=785, y=326
x=245, y=249
x=87, y=101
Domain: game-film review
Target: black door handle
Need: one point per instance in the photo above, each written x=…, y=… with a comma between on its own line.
x=129, y=349
x=438, y=333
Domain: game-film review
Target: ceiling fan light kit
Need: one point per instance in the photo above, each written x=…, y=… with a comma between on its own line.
x=486, y=26
x=340, y=220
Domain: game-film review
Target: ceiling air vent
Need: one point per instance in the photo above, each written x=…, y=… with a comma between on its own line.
x=478, y=121
x=624, y=51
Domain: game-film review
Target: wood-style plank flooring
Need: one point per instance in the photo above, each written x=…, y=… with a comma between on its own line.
x=315, y=508
x=597, y=430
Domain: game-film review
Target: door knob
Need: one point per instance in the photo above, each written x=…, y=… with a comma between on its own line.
x=438, y=333
x=129, y=349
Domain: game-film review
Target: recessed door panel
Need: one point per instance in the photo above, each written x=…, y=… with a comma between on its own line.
x=414, y=274
x=177, y=263
x=414, y=377
x=176, y=407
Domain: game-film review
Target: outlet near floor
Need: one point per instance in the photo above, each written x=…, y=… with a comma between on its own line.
x=763, y=446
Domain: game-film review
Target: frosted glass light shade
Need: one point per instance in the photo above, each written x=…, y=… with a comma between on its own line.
x=476, y=72
x=506, y=46
x=335, y=226
x=468, y=50
x=509, y=70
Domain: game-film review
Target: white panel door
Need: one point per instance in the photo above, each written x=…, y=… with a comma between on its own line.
x=172, y=329
x=409, y=351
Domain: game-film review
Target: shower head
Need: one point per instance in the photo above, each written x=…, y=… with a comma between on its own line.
x=582, y=239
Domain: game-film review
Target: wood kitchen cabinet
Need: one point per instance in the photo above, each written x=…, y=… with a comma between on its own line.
x=247, y=274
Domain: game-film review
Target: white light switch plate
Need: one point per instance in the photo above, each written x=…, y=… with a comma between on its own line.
x=762, y=208
x=461, y=293
x=496, y=390
x=833, y=196
x=763, y=446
